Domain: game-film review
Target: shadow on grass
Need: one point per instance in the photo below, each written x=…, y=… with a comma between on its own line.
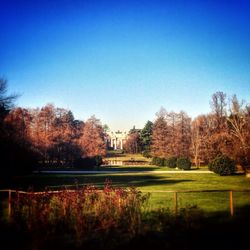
x=39, y=182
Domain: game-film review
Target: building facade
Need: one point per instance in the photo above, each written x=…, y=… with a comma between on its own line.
x=116, y=140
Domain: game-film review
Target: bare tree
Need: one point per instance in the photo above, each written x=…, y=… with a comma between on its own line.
x=133, y=143
x=196, y=142
x=6, y=101
x=218, y=105
x=239, y=124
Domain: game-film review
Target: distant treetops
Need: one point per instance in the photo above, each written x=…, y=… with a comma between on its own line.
x=224, y=131
x=56, y=137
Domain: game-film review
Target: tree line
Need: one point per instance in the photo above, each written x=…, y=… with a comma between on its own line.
x=49, y=136
x=223, y=131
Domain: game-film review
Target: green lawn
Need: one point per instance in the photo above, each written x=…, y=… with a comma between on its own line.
x=145, y=168
x=149, y=181
x=154, y=183
x=114, y=155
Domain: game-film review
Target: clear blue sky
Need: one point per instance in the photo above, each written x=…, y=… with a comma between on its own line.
x=123, y=60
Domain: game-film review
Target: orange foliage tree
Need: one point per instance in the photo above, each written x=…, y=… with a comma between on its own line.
x=92, y=139
x=133, y=143
x=171, y=134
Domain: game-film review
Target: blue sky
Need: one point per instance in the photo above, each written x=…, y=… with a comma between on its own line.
x=123, y=60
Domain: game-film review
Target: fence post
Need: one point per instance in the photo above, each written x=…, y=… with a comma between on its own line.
x=9, y=204
x=231, y=203
x=175, y=203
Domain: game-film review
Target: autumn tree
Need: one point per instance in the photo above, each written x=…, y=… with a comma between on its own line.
x=55, y=134
x=218, y=128
x=182, y=135
x=218, y=105
x=221, y=133
x=92, y=139
x=196, y=141
x=19, y=119
x=133, y=143
x=207, y=141
x=43, y=139
x=172, y=120
x=201, y=146
x=239, y=126
x=14, y=149
x=209, y=132
x=159, y=146
x=171, y=134
x=65, y=147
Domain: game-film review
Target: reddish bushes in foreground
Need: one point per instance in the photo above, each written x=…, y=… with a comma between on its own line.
x=82, y=214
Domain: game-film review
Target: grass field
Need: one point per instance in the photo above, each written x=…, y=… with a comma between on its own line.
x=154, y=183
x=203, y=218
x=146, y=168
x=115, y=155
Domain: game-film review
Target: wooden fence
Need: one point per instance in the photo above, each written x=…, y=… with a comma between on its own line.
x=174, y=192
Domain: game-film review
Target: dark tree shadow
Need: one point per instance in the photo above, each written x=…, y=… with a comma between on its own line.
x=41, y=181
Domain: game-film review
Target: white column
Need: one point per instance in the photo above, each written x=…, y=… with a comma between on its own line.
x=121, y=144
x=111, y=142
x=115, y=145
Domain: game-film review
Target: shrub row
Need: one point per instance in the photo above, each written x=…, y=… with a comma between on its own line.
x=172, y=162
x=221, y=164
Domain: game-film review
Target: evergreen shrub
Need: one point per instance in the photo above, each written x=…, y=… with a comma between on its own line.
x=158, y=161
x=171, y=162
x=183, y=163
x=222, y=165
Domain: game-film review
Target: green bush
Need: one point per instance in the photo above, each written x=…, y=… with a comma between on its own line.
x=183, y=163
x=171, y=162
x=158, y=161
x=222, y=165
